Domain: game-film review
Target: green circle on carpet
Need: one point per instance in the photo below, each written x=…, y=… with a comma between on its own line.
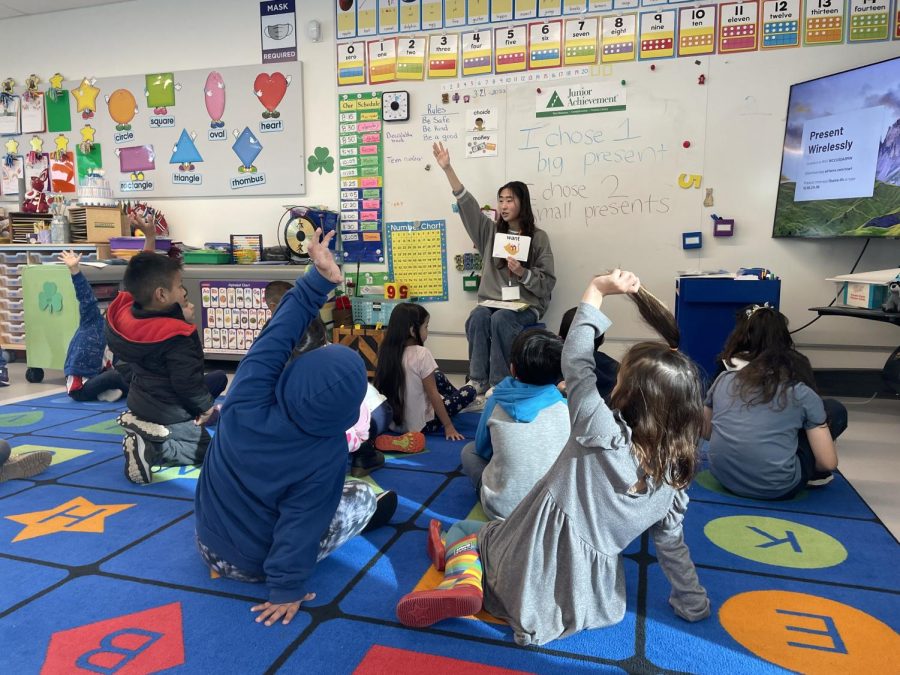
x=774, y=541
x=707, y=480
x=18, y=419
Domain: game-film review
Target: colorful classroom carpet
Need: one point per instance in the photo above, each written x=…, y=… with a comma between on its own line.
x=98, y=575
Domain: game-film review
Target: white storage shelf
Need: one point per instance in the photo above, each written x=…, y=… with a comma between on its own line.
x=13, y=259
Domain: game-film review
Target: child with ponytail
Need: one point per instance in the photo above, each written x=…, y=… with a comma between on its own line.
x=552, y=568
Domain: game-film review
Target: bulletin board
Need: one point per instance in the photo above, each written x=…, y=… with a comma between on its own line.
x=197, y=133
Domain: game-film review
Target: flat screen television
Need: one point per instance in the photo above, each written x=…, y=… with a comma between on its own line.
x=840, y=170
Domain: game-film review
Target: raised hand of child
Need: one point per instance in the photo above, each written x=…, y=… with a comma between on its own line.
x=441, y=155
x=616, y=282
x=285, y=611
x=323, y=258
x=71, y=259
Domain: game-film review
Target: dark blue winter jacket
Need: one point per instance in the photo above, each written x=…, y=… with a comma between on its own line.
x=272, y=479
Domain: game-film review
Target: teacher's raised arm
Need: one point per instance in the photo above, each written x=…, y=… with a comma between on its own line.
x=524, y=276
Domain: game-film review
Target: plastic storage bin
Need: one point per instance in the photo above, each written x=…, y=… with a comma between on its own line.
x=206, y=257
x=13, y=258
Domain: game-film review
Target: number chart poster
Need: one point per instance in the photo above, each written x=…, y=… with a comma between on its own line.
x=417, y=257
x=232, y=315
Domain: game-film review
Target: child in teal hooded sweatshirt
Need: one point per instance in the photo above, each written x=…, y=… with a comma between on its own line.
x=524, y=426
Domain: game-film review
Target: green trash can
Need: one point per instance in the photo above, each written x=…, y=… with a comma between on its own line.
x=51, y=317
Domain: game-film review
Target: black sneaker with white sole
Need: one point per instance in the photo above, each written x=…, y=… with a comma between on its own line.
x=137, y=468
x=385, y=506
x=150, y=431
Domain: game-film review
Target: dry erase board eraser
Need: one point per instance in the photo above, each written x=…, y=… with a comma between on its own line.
x=723, y=227
x=691, y=240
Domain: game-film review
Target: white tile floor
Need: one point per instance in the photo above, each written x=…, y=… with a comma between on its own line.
x=869, y=451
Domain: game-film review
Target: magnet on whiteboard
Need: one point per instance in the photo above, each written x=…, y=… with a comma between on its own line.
x=691, y=240
x=687, y=181
x=686, y=144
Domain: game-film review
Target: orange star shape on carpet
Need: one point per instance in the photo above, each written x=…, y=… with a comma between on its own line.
x=86, y=96
x=76, y=515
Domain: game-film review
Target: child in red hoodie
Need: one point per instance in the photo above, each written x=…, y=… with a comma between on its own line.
x=150, y=327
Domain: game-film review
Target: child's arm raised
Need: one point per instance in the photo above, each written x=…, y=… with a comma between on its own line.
x=260, y=369
x=592, y=421
x=688, y=598
x=87, y=303
x=437, y=402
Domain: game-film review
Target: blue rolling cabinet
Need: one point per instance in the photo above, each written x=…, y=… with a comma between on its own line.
x=705, y=308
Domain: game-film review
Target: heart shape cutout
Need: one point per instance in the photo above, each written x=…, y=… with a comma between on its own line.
x=270, y=89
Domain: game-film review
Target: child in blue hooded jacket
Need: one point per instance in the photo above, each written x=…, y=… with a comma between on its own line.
x=524, y=427
x=271, y=499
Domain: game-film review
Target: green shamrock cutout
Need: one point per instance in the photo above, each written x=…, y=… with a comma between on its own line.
x=50, y=299
x=320, y=160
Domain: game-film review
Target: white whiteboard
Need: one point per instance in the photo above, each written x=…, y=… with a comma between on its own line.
x=734, y=123
x=278, y=168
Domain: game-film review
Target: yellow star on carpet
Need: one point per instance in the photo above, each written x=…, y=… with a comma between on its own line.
x=37, y=144
x=56, y=81
x=87, y=134
x=62, y=143
x=12, y=146
x=86, y=96
x=76, y=515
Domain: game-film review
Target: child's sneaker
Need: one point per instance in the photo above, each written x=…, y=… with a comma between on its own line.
x=477, y=405
x=137, y=468
x=477, y=385
x=820, y=479
x=409, y=443
x=365, y=460
x=4, y=376
x=148, y=430
x=385, y=506
x=110, y=395
x=25, y=466
x=74, y=383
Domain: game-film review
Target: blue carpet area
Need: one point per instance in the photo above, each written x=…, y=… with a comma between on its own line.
x=100, y=575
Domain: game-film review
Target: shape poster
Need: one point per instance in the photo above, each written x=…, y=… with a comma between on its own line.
x=618, y=38
x=658, y=34
x=417, y=257
x=411, y=55
x=361, y=162
x=232, y=313
x=824, y=22
x=697, y=30
x=781, y=24
x=869, y=20
x=739, y=26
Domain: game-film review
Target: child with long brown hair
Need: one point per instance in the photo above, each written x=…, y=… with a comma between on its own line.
x=552, y=568
x=770, y=433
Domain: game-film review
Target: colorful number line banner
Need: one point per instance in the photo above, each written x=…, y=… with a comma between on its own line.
x=662, y=32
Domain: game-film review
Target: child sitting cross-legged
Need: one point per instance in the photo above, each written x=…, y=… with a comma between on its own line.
x=524, y=426
x=553, y=567
x=150, y=326
x=770, y=434
x=272, y=499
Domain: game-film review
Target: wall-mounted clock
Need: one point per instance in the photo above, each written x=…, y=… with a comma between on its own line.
x=395, y=106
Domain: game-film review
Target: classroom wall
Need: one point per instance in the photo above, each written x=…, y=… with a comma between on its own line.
x=746, y=102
